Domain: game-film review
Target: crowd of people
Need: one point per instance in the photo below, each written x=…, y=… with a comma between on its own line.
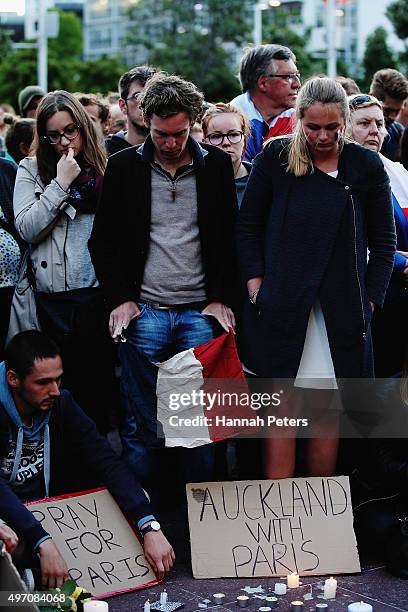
x=149, y=222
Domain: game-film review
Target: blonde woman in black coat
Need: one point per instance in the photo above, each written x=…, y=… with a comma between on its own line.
x=313, y=206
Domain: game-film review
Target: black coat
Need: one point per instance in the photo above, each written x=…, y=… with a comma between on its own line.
x=80, y=458
x=308, y=238
x=120, y=239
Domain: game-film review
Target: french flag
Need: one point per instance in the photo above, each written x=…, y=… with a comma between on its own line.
x=199, y=395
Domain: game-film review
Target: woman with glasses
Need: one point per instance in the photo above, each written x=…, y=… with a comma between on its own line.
x=390, y=336
x=55, y=199
x=312, y=204
x=227, y=128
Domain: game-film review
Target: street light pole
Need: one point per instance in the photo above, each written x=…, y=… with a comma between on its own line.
x=42, y=41
x=257, y=23
x=331, y=38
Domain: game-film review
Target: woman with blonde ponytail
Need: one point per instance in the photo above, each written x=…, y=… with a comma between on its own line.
x=313, y=204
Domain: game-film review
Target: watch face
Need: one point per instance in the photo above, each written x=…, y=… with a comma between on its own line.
x=155, y=526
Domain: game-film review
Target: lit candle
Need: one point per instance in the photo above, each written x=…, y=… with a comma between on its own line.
x=296, y=606
x=280, y=588
x=163, y=597
x=96, y=606
x=218, y=598
x=293, y=580
x=146, y=607
x=330, y=587
x=242, y=601
x=271, y=601
x=360, y=607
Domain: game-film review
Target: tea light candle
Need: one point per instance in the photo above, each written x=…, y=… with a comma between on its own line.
x=322, y=607
x=163, y=597
x=218, y=598
x=242, y=601
x=330, y=587
x=280, y=588
x=96, y=606
x=264, y=609
x=271, y=601
x=146, y=607
x=293, y=580
x=296, y=606
x=360, y=607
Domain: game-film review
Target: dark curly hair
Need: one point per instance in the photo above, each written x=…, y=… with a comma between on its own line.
x=166, y=95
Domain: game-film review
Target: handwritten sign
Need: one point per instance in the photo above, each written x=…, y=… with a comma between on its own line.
x=272, y=528
x=101, y=549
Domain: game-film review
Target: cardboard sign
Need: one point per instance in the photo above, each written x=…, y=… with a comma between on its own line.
x=101, y=549
x=272, y=528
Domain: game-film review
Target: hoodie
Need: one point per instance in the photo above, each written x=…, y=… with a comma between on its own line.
x=116, y=142
x=74, y=457
x=27, y=462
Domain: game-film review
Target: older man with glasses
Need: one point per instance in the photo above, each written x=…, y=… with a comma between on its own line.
x=270, y=82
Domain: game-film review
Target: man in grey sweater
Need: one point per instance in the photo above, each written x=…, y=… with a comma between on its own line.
x=168, y=274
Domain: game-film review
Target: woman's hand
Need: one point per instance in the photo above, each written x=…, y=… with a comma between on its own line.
x=253, y=286
x=67, y=170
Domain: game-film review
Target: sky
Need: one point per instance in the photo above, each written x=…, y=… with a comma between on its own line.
x=13, y=6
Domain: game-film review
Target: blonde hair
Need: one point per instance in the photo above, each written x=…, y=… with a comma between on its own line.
x=317, y=90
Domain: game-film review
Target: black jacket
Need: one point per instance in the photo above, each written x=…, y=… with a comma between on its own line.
x=392, y=143
x=114, y=143
x=120, y=239
x=308, y=237
x=80, y=458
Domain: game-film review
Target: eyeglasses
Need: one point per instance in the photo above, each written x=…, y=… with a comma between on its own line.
x=217, y=138
x=289, y=78
x=134, y=97
x=70, y=132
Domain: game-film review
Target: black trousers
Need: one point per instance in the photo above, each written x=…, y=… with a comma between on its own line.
x=76, y=321
x=6, y=295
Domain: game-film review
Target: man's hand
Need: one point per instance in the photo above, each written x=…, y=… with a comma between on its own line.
x=223, y=314
x=121, y=317
x=9, y=538
x=158, y=552
x=54, y=570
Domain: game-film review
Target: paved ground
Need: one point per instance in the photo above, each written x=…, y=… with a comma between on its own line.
x=374, y=586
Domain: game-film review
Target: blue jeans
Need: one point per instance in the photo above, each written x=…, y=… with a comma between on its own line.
x=156, y=335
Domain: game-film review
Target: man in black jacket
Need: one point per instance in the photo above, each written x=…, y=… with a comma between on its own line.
x=163, y=250
x=131, y=85
x=48, y=446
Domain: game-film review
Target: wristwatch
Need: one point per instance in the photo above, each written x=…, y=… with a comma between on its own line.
x=153, y=526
